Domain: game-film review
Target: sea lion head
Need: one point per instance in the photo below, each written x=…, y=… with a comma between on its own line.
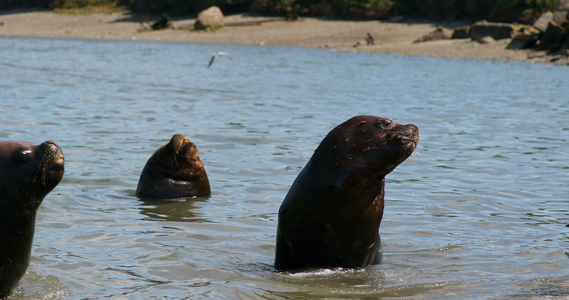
x=174, y=170
x=369, y=144
x=28, y=172
x=179, y=158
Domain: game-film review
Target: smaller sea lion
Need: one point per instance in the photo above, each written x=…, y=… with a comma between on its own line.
x=27, y=174
x=175, y=170
x=331, y=214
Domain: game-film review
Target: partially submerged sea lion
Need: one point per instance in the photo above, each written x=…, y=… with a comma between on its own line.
x=331, y=214
x=27, y=174
x=175, y=170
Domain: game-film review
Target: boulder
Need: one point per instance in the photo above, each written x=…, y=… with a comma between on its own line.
x=565, y=45
x=543, y=21
x=438, y=34
x=162, y=23
x=461, y=33
x=560, y=16
x=562, y=5
x=522, y=41
x=497, y=31
x=552, y=37
x=211, y=18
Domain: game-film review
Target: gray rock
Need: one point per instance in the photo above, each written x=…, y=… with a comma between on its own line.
x=211, y=18
x=461, y=33
x=560, y=15
x=551, y=39
x=562, y=5
x=438, y=34
x=522, y=41
x=543, y=21
x=497, y=31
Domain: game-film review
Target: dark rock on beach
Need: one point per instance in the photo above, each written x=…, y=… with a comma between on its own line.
x=497, y=31
x=550, y=34
x=438, y=34
x=461, y=33
x=162, y=23
x=565, y=46
x=552, y=37
x=522, y=41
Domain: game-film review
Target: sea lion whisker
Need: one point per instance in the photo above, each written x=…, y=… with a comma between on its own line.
x=40, y=171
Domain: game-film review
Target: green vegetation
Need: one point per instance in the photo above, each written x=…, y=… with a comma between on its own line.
x=492, y=10
x=476, y=9
x=75, y=8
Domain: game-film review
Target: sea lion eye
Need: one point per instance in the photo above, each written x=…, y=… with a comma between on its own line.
x=384, y=123
x=23, y=157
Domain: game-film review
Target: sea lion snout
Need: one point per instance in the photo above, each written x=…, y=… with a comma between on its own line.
x=52, y=152
x=412, y=133
x=181, y=143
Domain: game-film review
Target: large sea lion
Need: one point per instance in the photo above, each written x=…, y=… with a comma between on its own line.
x=175, y=170
x=27, y=174
x=331, y=214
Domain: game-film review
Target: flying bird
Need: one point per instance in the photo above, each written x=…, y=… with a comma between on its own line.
x=215, y=55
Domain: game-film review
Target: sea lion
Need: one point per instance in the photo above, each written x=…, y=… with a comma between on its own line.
x=331, y=214
x=175, y=170
x=27, y=174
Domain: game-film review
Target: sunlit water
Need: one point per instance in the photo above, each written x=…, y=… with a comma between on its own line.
x=478, y=211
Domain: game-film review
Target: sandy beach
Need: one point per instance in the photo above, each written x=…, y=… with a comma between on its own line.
x=343, y=35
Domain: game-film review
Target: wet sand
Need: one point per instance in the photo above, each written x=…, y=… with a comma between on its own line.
x=390, y=37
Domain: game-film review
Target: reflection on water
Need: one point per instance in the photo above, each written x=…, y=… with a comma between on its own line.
x=481, y=211
x=178, y=210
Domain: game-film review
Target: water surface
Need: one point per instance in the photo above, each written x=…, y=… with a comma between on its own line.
x=478, y=211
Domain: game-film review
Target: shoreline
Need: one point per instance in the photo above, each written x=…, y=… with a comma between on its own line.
x=343, y=35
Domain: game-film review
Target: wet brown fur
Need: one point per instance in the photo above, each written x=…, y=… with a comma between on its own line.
x=331, y=214
x=174, y=170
